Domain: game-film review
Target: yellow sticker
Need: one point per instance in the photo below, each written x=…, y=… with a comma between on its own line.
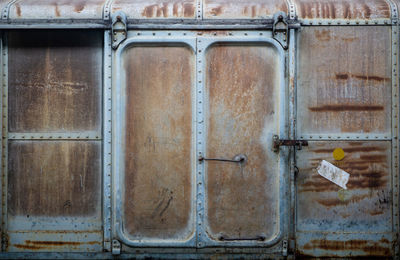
x=338, y=154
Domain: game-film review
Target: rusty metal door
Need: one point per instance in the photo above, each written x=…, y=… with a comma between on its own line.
x=193, y=144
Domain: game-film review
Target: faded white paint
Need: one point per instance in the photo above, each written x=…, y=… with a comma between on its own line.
x=333, y=173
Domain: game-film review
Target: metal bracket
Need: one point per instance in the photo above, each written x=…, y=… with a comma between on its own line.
x=116, y=247
x=282, y=142
x=119, y=29
x=280, y=29
x=284, y=247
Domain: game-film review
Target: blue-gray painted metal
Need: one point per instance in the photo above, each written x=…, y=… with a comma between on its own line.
x=107, y=136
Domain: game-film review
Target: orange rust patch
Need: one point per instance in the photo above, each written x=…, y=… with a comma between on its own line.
x=18, y=8
x=188, y=10
x=337, y=202
x=217, y=11
x=53, y=243
x=79, y=7
x=57, y=11
x=323, y=35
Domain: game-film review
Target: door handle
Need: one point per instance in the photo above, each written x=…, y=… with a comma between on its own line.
x=240, y=158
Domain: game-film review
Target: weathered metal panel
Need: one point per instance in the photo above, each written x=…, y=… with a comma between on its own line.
x=249, y=9
x=242, y=84
x=55, y=81
x=343, y=9
x=156, y=9
x=365, y=207
x=56, y=9
x=158, y=145
x=54, y=192
x=344, y=80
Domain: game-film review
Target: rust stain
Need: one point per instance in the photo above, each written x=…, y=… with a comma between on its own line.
x=367, y=11
x=53, y=243
x=216, y=11
x=253, y=11
x=361, y=77
x=149, y=11
x=79, y=7
x=18, y=7
x=370, y=247
x=175, y=9
x=162, y=10
x=337, y=202
x=28, y=247
x=346, y=9
x=57, y=11
x=345, y=107
x=323, y=35
x=188, y=10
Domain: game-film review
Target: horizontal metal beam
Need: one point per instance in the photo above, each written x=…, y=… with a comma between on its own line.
x=55, y=136
x=346, y=137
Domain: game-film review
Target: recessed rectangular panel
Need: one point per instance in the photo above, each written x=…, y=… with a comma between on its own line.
x=242, y=83
x=344, y=80
x=366, y=204
x=54, y=179
x=357, y=221
x=158, y=146
x=54, y=81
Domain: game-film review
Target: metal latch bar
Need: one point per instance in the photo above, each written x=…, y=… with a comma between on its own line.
x=284, y=142
x=240, y=158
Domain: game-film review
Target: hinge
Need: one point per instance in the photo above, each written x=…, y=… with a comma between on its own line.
x=284, y=247
x=283, y=142
x=116, y=247
x=118, y=29
x=280, y=29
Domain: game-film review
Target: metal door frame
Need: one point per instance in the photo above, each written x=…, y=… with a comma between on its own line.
x=199, y=44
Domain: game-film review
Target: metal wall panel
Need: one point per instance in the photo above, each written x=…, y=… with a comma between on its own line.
x=242, y=84
x=366, y=206
x=55, y=79
x=158, y=165
x=345, y=92
x=343, y=9
x=54, y=198
x=344, y=80
x=156, y=9
x=249, y=9
x=54, y=178
x=53, y=183
x=52, y=9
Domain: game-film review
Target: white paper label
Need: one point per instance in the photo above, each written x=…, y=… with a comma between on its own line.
x=333, y=173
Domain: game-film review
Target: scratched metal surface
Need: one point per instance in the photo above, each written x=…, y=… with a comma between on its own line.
x=55, y=81
x=343, y=9
x=242, y=85
x=344, y=80
x=361, y=211
x=158, y=165
x=156, y=9
x=54, y=196
x=249, y=9
x=56, y=9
